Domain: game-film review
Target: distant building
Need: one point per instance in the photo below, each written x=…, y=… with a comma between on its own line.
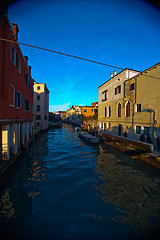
x=16, y=92
x=41, y=105
x=73, y=110
x=90, y=111
x=62, y=114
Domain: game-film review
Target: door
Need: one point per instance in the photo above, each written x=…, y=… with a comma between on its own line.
x=119, y=129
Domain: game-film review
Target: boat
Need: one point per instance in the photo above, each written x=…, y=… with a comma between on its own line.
x=88, y=137
x=77, y=129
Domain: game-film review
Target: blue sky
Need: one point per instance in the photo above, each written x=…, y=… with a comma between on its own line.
x=118, y=32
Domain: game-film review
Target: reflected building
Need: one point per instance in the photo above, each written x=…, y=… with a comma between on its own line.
x=134, y=194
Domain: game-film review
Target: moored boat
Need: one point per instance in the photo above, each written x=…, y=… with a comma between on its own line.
x=88, y=137
x=77, y=129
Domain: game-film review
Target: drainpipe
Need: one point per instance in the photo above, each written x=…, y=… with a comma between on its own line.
x=135, y=99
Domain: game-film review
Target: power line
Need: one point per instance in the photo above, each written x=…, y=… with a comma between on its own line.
x=69, y=55
x=65, y=54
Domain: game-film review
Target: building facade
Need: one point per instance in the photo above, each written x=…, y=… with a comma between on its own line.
x=16, y=91
x=40, y=106
x=129, y=104
x=90, y=111
x=111, y=102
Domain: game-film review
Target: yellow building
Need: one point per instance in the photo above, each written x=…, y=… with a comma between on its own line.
x=73, y=110
x=133, y=107
x=90, y=111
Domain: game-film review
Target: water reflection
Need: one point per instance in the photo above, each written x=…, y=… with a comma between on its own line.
x=16, y=198
x=6, y=206
x=132, y=191
x=72, y=190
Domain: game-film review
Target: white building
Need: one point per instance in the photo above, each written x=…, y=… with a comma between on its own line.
x=40, y=105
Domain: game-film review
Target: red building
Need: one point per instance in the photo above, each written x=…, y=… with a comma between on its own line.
x=16, y=90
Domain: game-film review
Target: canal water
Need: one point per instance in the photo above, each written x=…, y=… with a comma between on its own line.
x=69, y=189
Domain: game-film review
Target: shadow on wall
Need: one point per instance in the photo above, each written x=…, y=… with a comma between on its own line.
x=129, y=133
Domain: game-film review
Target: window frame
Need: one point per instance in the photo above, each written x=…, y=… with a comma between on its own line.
x=18, y=100
x=104, y=95
x=138, y=108
x=118, y=90
x=26, y=105
x=13, y=58
x=38, y=96
x=13, y=88
x=38, y=107
x=128, y=114
x=131, y=87
x=18, y=63
x=137, y=130
x=119, y=110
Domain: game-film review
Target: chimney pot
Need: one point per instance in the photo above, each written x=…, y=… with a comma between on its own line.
x=15, y=29
x=115, y=72
x=111, y=75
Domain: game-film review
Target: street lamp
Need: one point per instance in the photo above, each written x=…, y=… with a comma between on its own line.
x=150, y=111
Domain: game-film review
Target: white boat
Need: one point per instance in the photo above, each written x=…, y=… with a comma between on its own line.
x=88, y=137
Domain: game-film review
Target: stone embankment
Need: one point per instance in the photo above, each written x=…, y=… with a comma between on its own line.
x=136, y=149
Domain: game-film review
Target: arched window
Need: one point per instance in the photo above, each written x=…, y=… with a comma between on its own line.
x=105, y=112
x=119, y=110
x=109, y=111
x=128, y=109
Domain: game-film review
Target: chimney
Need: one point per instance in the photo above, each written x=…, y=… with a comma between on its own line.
x=111, y=75
x=115, y=72
x=15, y=29
x=29, y=67
x=26, y=59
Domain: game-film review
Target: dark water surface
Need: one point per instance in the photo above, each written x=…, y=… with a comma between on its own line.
x=72, y=190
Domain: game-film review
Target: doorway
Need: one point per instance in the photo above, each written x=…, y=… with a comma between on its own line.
x=119, y=130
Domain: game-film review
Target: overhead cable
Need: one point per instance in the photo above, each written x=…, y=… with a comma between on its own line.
x=69, y=55
x=65, y=54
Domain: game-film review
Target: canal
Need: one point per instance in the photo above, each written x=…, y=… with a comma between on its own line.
x=69, y=189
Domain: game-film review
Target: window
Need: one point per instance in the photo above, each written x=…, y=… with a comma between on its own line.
x=146, y=130
x=128, y=109
x=85, y=110
x=138, y=107
x=18, y=63
x=38, y=87
x=12, y=96
x=105, y=95
x=119, y=110
x=118, y=90
x=105, y=112
x=26, y=104
x=45, y=117
x=92, y=110
x=18, y=99
x=26, y=77
x=138, y=129
x=109, y=111
x=131, y=87
x=108, y=125
x=38, y=108
x=38, y=117
x=38, y=97
x=13, y=53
